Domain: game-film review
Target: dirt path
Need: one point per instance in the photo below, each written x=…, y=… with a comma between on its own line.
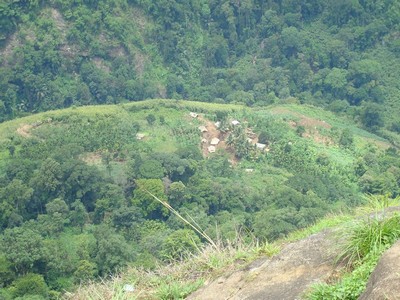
x=285, y=276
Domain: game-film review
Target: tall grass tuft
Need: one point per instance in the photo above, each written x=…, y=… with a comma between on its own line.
x=369, y=236
x=378, y=204
x=176, y=290
x=363, y=242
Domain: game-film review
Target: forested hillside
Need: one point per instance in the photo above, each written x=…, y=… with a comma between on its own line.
x=293, y=112
x=342, y=55
x=76, y=185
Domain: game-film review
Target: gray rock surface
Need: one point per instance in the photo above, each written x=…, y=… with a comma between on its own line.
x=384, y=282
x=285, y=276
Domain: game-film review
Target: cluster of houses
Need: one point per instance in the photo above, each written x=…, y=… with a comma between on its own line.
x=215, y=141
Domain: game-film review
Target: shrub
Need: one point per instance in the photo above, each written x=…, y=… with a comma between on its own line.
x=150, y=119
x=346, y=138
x=177, y=290
x=179, y=243
x=85, y=271
x=151, y=169
x=370, y=236
x=30, y=284
x=300, y=130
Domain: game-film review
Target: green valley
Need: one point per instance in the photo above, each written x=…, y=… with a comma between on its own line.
x=78, y=184
x=170, y=140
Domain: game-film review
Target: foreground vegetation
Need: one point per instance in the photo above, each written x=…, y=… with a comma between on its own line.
x=363, y=239
x=178, y=279
x=78, y=185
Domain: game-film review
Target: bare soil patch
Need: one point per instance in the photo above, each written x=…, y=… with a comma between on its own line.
x=380, y=144
x=313, y=123
x=100, y=63
x=140, y=63
x=59, y=21
x=24, y=130
x=312, y=126
x=117, y=51
x=11, y=43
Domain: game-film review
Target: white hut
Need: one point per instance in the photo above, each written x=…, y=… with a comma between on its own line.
x=214, y=141
x=203, y=128
x=260, y=146
x=140, y=136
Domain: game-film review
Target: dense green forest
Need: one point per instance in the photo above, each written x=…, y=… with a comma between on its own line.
x=316, y=82
x=76, y=185
x=341, y=55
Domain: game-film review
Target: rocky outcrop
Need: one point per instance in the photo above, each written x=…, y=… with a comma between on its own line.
x=384, y=282
x=285, y=276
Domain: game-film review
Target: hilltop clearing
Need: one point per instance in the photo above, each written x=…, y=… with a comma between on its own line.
x=103, y=188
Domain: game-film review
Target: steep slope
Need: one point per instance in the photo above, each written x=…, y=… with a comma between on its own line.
x=285, y=276
x=316, y=267
x=305, y=263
